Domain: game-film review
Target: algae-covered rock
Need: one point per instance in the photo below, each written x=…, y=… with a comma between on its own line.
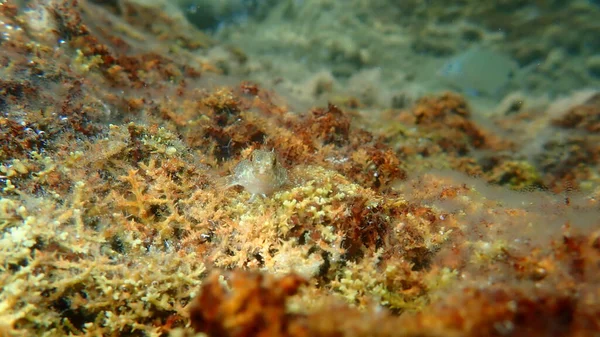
x=119, y=128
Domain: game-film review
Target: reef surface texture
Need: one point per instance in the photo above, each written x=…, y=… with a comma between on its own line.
x=147, y=188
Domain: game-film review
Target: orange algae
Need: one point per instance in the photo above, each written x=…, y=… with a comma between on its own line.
x=112, y=216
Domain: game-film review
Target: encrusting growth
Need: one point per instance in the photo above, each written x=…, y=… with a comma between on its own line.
x=113, y=220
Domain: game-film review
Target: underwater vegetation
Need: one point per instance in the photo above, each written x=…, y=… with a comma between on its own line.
x=540, y=48
x=148, y=188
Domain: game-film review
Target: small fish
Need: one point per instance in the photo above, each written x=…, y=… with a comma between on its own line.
x=262, y=174
x=479, y=71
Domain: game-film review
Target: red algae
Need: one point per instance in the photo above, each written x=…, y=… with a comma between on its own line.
x=114, y=220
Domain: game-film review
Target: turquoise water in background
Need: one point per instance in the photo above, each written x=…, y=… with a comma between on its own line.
x=485, y=50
